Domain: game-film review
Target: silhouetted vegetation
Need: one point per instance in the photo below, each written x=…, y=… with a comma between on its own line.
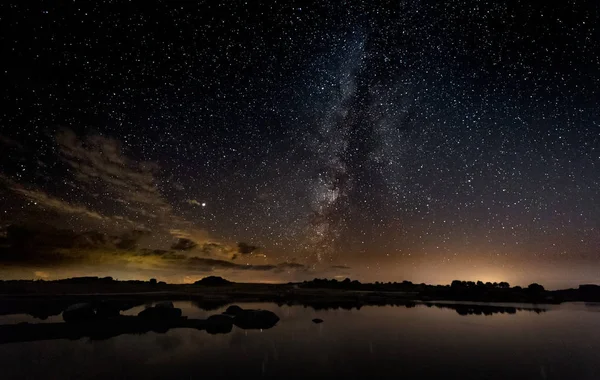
x=42, y=299
x=457, y=290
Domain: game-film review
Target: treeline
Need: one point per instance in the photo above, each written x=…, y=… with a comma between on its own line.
x=408, y=285
x=357, y=285
x=457, y=290
x=93, y=280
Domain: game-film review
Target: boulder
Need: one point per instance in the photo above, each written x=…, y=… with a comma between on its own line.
x=160, y=312
x=106, y=309
x=317, y=320
x=255, y=319
x=233, y=310
x=219, y=324
x=79, y=312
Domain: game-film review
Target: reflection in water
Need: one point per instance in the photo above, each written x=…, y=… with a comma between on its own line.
x=46, y=309
x=474, y=309
x=422, y=340
x=83, y=320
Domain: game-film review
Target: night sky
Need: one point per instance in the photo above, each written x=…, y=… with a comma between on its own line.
x=282, y=141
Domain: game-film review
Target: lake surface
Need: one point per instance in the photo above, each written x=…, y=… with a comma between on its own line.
x=561, y=342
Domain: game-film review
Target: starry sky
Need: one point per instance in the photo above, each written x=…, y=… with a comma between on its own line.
x=281, y=140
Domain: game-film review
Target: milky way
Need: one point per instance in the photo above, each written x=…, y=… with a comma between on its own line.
x=417, y=140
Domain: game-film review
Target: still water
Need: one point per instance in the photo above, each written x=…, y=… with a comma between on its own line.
x=562, y=342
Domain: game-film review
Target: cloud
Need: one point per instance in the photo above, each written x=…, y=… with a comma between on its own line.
x=245, y=249
x=201, y=243
x=184, y=244
x=205, y=264
x=41, y=274
x=339, y=267
x=99, y=163
x=46, y=246
x=43, y=200
x=33, y=244
x=129, y=240
x=46, y=202
x=102, y=179
x=11, y=143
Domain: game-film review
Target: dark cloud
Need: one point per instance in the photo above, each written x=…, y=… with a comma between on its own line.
x=42, y=245
x=30, y=244
x=211, y=264
x=244, y=248
x=339, y=267
x=155, y=252
x=291, y=266
x=296, y=267
x=11, y=143
x=129, y=240
x=184, y=244
x=207, y=264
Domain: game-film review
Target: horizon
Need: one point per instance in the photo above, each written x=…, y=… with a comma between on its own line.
x=413, y=283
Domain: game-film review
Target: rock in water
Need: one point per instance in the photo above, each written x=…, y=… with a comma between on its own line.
x=79, y=312
x=106, y=309
x=233, y=310
x=160, y=313
x=317, y=320
x=219, y=324
x=255, y=319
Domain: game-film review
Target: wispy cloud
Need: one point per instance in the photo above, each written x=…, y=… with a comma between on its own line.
x=102, y=179
x=27, y=246
x=44, y=201
x=99, y=162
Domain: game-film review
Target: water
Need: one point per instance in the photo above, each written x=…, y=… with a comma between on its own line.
x=373, y=342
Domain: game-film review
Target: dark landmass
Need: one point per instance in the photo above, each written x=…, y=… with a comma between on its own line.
x=213, y=281
x=216, y=287
x=42, y=299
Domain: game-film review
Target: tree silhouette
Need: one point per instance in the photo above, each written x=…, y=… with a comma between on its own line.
x=535, y=287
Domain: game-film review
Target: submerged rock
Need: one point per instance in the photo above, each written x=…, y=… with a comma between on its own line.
x=233, y=310
x=219, y=324
x=162, y=311
x=255, y=319
x=317, y=320
x=251, y=318
x=79, y=312
x=107, y=309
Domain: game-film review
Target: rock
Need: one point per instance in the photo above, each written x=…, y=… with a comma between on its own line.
x=233, y=310
x=213, y=281
x=255, y=319
x=163, y=312
x=107, y=309
x=317, y=320
x=165, y=305
x=79, y=312
x=219, y=324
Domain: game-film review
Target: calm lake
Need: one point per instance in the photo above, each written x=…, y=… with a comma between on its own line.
x=559, y=342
